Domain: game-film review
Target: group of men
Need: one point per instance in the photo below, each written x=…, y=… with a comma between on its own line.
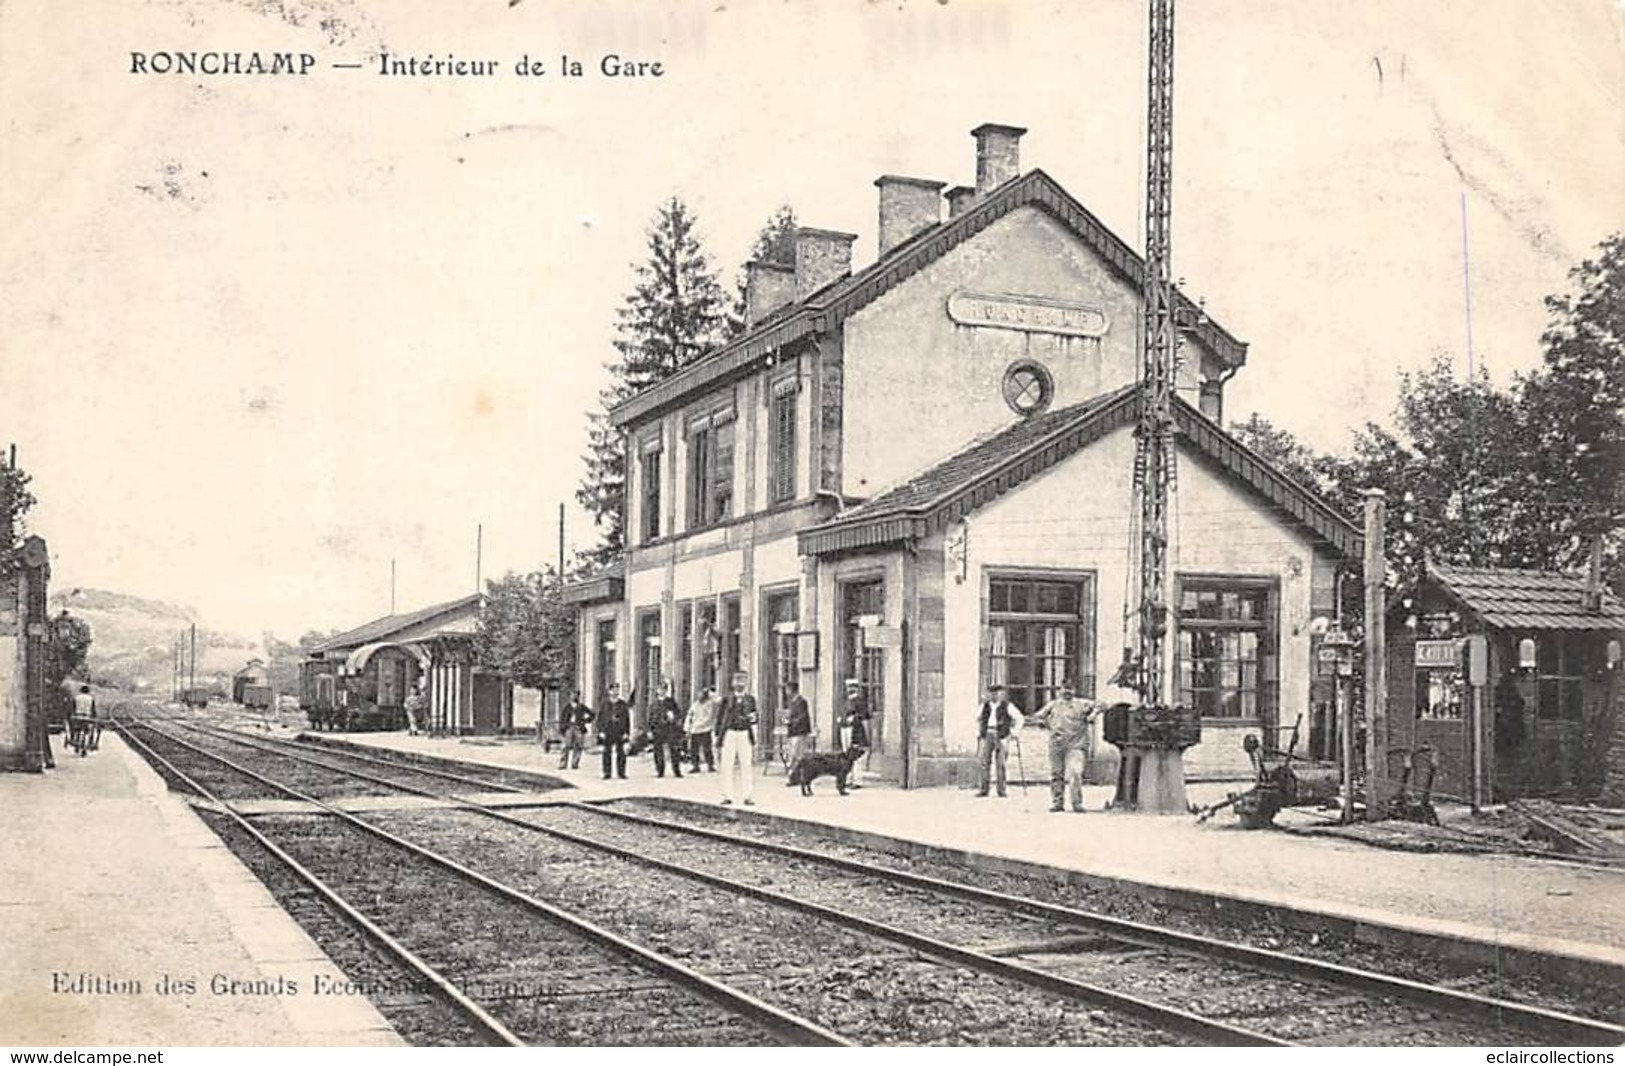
x=730, y=722
x=1069, y=722
x=715, y=730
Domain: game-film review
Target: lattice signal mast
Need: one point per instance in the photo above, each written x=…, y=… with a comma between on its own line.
x=1154, y=449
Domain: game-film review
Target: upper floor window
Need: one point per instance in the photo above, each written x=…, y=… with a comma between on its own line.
x=649, y=481
x=781, y=475
x=710, y=469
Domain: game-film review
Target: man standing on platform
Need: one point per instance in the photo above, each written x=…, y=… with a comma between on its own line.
x=666, y=731
x=736, y=741
x=417, y=711
x=614, y=725
x=798, y=726
x=574, y=719
x=1071, y=731
x=994, y=724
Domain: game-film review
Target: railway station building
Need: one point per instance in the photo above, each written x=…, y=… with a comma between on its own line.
x=919, y=475
x=367, y=672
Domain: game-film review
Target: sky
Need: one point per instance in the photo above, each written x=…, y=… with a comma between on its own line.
x=260, y=336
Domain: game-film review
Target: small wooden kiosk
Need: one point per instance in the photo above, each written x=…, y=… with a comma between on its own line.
x=1542, y=721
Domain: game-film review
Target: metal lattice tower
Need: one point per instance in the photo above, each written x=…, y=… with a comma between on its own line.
x=1154, y=451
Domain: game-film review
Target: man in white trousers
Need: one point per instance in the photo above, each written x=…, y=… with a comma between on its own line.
x=736, y=744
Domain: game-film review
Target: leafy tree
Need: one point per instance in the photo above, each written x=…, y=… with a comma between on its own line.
x=15, y=501
x=66, y=647
x=1574, y=409
x=674, y=313
x=1526, y=477
x=526, y=630
x=775, y=243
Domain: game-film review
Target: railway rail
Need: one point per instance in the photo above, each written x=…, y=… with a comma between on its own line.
x=659, y=1000
x=1071, y=952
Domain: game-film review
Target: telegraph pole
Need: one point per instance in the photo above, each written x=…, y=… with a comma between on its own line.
x=561, y=543
x=1376, y=658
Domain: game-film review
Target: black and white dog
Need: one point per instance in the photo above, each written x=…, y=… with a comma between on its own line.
x=816, y=764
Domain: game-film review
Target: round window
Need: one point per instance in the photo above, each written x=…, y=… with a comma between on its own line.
x=1028, y=388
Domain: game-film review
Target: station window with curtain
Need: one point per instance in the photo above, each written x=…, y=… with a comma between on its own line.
x=649, y=482
x=649, y=674
x=860, y=599
x=1039, y=635
x=705, y=618
x=731, y=622
x=1227, y=656
x=710, y=468
x=781, y=445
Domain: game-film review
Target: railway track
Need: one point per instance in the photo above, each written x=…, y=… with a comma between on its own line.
x=514, y=968
x=1215, y=990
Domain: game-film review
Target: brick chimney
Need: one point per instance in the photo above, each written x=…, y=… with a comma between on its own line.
x=960, y=198
x=822, y=256
x=907, y=206
x=768, y=287
x=998, y=155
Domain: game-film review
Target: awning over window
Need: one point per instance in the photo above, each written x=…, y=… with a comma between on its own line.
x=358, y=659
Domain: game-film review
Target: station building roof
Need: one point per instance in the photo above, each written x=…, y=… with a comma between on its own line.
x=831, y=305
x=1528, y=599
x=391, y=624
x=994, y=465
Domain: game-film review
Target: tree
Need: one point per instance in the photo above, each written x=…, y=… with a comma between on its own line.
x=66, y=647
x=527, y=631
x=1574, y=407
x=775, y=243
x=15, y=501
x=673, y=314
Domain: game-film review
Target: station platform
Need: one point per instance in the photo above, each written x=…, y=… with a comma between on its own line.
x=1531, y=905
x=115, y=895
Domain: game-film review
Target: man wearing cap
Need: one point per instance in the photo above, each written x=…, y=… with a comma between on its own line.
x=855, y=716
x=798, y=726
x=995, y=722
x=1070, y=724
x=736, y=743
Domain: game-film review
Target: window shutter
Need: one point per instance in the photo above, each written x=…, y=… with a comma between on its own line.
x=722, y=475
x=784, y=447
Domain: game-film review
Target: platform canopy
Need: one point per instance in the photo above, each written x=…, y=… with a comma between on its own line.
x=357, y=660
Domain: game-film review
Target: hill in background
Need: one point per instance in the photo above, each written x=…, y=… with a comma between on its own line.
x=133, y=640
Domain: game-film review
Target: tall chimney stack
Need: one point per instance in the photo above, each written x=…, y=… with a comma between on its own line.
x=822, y=256
x=907, y=206
x=998, y=155
x=960, y=197
x=768, y=287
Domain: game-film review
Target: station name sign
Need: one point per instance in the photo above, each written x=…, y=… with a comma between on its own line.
x=1438, y=653
x=1030, y=314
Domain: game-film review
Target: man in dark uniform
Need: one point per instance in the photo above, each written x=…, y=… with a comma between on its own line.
x=798, y=726
x=666, y=730
x=994, y=724
x=614, y=725
x=856, y=715
x=573, y=722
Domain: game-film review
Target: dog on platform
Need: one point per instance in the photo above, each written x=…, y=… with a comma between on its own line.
x=814, y=765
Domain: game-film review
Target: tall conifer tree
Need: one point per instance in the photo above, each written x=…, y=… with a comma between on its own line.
x=673, y=314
